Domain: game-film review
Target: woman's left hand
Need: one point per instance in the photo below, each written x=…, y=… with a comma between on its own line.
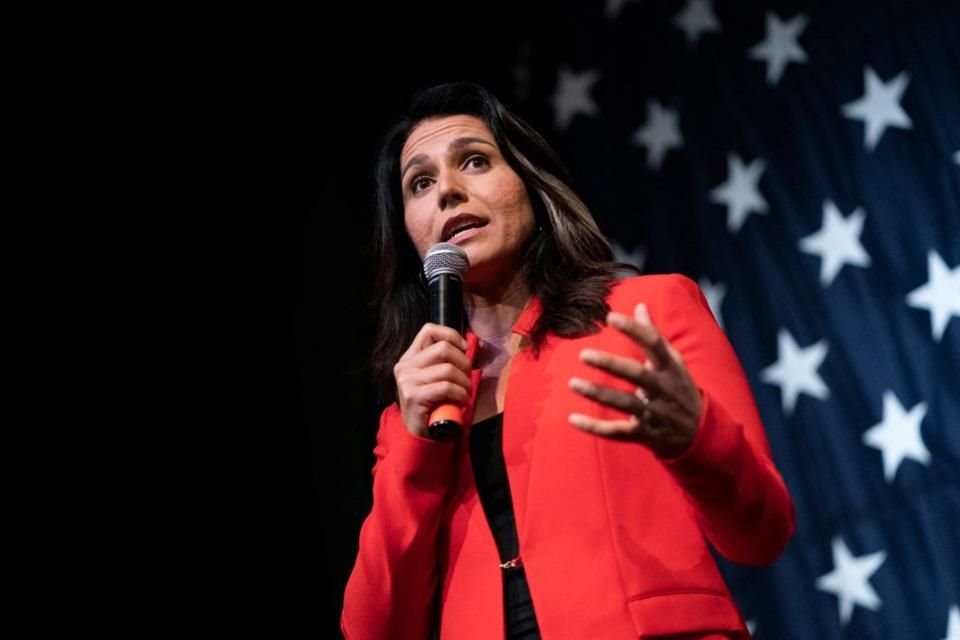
x=664, y=412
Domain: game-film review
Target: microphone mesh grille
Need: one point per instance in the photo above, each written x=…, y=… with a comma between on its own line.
x=445, y=257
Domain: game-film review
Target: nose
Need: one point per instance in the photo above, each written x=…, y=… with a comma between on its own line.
x=450, y=190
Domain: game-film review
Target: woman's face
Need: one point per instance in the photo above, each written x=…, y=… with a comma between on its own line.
x=458, y=188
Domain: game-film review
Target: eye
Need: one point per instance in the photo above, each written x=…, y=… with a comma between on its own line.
x=420, y=182
x=476, y=161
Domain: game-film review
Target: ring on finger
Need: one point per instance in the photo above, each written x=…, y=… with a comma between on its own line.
x=642, y=396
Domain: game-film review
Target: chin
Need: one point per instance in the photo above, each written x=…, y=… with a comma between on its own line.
x=474, y=253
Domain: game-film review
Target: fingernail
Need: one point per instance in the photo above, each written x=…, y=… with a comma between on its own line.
x=577, y=420
x=641, y=314
x=579, y=384
x=588, y=354
x=617, y=319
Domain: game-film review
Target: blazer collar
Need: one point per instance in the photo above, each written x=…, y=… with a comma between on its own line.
x=523, y=325
x=528, y=317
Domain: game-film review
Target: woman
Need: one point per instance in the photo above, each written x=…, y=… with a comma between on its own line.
x=613, y=435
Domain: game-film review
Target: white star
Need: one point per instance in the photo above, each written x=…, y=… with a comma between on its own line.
x=953, y=624
x=660, y=133
x=941, y=294
x=521, y=70
x=714, y=293
x=880, y=108
x=956, y=157
x=741, y=191
x=751, y=627
x=780, y=46
x=898, y=435
x=613, y=7
x=837, y=242
x=697, y=18
x=796, y=370
x=572, y=96
x=637, y=257
x=849, y=580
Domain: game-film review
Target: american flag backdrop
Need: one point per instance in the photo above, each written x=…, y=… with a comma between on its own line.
x=802, y=162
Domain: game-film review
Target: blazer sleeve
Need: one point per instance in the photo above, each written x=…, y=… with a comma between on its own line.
x=739, y=498
x=390, y=591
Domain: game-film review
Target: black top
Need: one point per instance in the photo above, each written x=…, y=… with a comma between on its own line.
x=490, y=473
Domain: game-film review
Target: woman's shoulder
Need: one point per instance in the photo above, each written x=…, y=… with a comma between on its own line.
x=651, y=289
x=668, y=297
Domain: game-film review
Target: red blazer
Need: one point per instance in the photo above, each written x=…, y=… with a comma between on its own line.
x=614, y=540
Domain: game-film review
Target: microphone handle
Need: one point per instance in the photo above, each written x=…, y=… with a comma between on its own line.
x=446, y=309
x=446, y=302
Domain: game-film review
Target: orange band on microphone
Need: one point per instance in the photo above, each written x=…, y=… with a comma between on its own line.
x=446, y=412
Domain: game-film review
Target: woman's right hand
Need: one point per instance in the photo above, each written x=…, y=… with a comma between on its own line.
x=434, y=369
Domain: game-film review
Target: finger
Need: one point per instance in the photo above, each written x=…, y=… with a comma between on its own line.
x=438, y=352
x=444, y=352
x=641, y=315
x=441, y=372
x=643, y=395
x=620, y=366
x=654, y=383
x=628, y=429
x=431, y=333
x=627, y=368
x=442, y=391
x=622, y=400
x=644, y=334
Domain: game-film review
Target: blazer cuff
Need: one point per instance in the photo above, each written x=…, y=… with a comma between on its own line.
x=426, y=463
x=713, y=445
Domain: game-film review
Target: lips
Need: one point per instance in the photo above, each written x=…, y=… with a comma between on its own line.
x=459, y=223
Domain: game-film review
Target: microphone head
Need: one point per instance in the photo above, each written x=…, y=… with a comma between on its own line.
x=445, y=258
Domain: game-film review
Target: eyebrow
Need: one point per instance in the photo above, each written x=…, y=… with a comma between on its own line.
x=459, y=143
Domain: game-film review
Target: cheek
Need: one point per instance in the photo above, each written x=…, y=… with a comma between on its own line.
x=418, y=229
x=516, y=202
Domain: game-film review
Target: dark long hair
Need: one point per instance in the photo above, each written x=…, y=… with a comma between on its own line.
x=568, y=264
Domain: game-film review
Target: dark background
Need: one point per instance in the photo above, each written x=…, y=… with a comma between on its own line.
x=187, y=416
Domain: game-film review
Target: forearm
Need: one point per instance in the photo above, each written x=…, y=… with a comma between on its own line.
x=391, y=589
x=738, y=497
x=728, y=473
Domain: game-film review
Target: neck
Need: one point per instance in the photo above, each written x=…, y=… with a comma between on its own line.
x=492, y=311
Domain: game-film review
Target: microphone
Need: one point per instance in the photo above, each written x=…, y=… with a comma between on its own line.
x=444, y=266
